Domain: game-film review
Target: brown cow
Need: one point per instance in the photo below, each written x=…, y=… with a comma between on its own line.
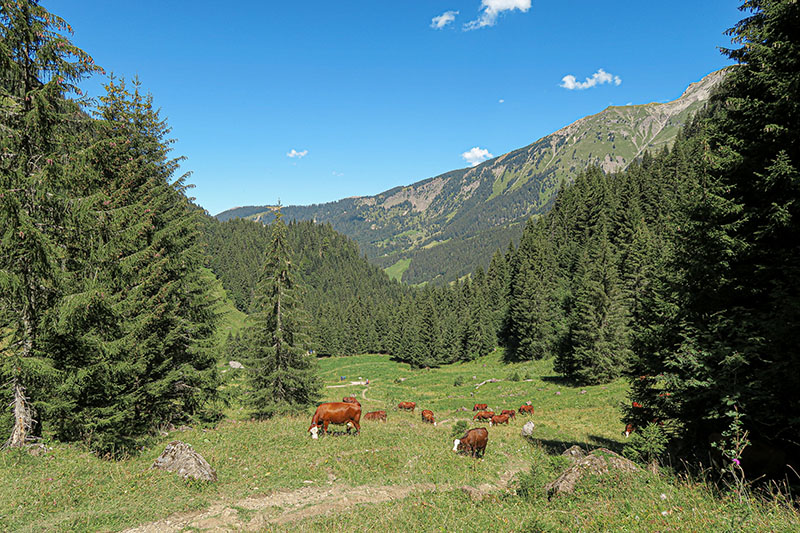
x=350, y=399
x=629, y=428
x=480, y=407
x=498, y=419
x=510, y=412
x=484, y=415
x=526, y=409
x=376, y=415
x=636, y=405
x=427, y=416
x=407, y=406
x=473, y=442
x=335, y=413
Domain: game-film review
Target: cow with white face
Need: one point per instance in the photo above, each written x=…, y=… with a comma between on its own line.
x=473, y=442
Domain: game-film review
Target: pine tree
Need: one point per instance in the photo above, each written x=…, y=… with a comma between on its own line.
x=598, y=350
x=39, y=68
x=134, y=335
x=283, y=376
x=532, y=314
x=733, y=336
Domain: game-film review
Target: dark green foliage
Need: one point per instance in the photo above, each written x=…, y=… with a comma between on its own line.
x=459, y=428
x=39, y=67
x=728, y=308
x=133, y=338
x=283, y=376
x=647, y=445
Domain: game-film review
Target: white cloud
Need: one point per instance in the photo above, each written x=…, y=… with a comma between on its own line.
x=500, y=101
x=337, y=174
x=443, y=20
x=299, y=155
x=598, y=78
x=492, y=9
x=476, y=156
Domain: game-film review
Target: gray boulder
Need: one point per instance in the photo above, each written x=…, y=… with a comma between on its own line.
x=527, y=429
x=600, y=462
x=181, y=458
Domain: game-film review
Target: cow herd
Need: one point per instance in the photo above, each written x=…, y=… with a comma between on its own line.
x=348, y=412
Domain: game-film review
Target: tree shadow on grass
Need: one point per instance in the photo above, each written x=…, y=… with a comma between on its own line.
x=559, y=380
x=557, y=447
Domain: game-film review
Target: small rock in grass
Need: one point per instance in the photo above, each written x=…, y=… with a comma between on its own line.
x=235, y=364
x=527, y=429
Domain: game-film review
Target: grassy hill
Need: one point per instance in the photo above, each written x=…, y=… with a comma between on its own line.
x=400, y=475
x=450, y=223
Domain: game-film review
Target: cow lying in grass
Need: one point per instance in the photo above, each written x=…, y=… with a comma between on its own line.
x=427, y=416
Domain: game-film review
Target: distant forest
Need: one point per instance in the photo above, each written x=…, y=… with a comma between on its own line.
x=680, y=274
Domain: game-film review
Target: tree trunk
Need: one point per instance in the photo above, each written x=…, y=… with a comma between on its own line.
x=22, y=418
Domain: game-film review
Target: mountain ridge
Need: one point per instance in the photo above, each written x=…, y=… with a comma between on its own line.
x=487, y=201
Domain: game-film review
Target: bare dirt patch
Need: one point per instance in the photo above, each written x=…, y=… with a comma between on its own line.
x=255, y=513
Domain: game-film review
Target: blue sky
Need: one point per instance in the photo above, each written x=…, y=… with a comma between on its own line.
x=313, y=101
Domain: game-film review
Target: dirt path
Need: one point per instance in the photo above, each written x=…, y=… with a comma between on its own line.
x=283, y=507
x=254, y=513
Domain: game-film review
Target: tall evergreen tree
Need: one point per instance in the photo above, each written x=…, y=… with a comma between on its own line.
x=598, y=348
x=38, y=69
x=134, y=344
x=283, y=376
x=732, y=338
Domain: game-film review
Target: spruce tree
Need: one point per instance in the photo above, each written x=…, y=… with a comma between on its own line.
x=39, y=67
x=598, y=349
x=134, y=335
x=283, y=375
x=733, y=339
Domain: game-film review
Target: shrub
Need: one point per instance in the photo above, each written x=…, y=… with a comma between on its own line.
x=647, y=445
x=459, y=428
x=458, y=381
x=514, y=376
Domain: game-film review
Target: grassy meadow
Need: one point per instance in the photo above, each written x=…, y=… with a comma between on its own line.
x=399, y=475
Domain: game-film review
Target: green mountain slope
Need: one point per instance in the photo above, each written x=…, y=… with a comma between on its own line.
x=450, y=223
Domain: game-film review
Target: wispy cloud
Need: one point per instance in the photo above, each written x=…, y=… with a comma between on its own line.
x=598, y=78
x=294, y=153
x=476, y=156
x=337, y=174
x=491, y=10
x=501, y=101
x=443, y=20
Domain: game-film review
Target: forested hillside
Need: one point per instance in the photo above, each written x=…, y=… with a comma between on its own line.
x=437, y=223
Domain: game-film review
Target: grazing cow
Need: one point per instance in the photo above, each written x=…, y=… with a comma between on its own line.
x=528, y=409
x=407, y=406
x=629, y=428
x=427, y=416
x=498, y=419
x=480, y=407
x=376, y=415
x=473, y=442
x=335, y=413
x=510, y=412
x=484, y=415
x=350, y=399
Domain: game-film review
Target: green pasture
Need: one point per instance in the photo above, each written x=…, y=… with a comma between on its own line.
x=72, y=490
